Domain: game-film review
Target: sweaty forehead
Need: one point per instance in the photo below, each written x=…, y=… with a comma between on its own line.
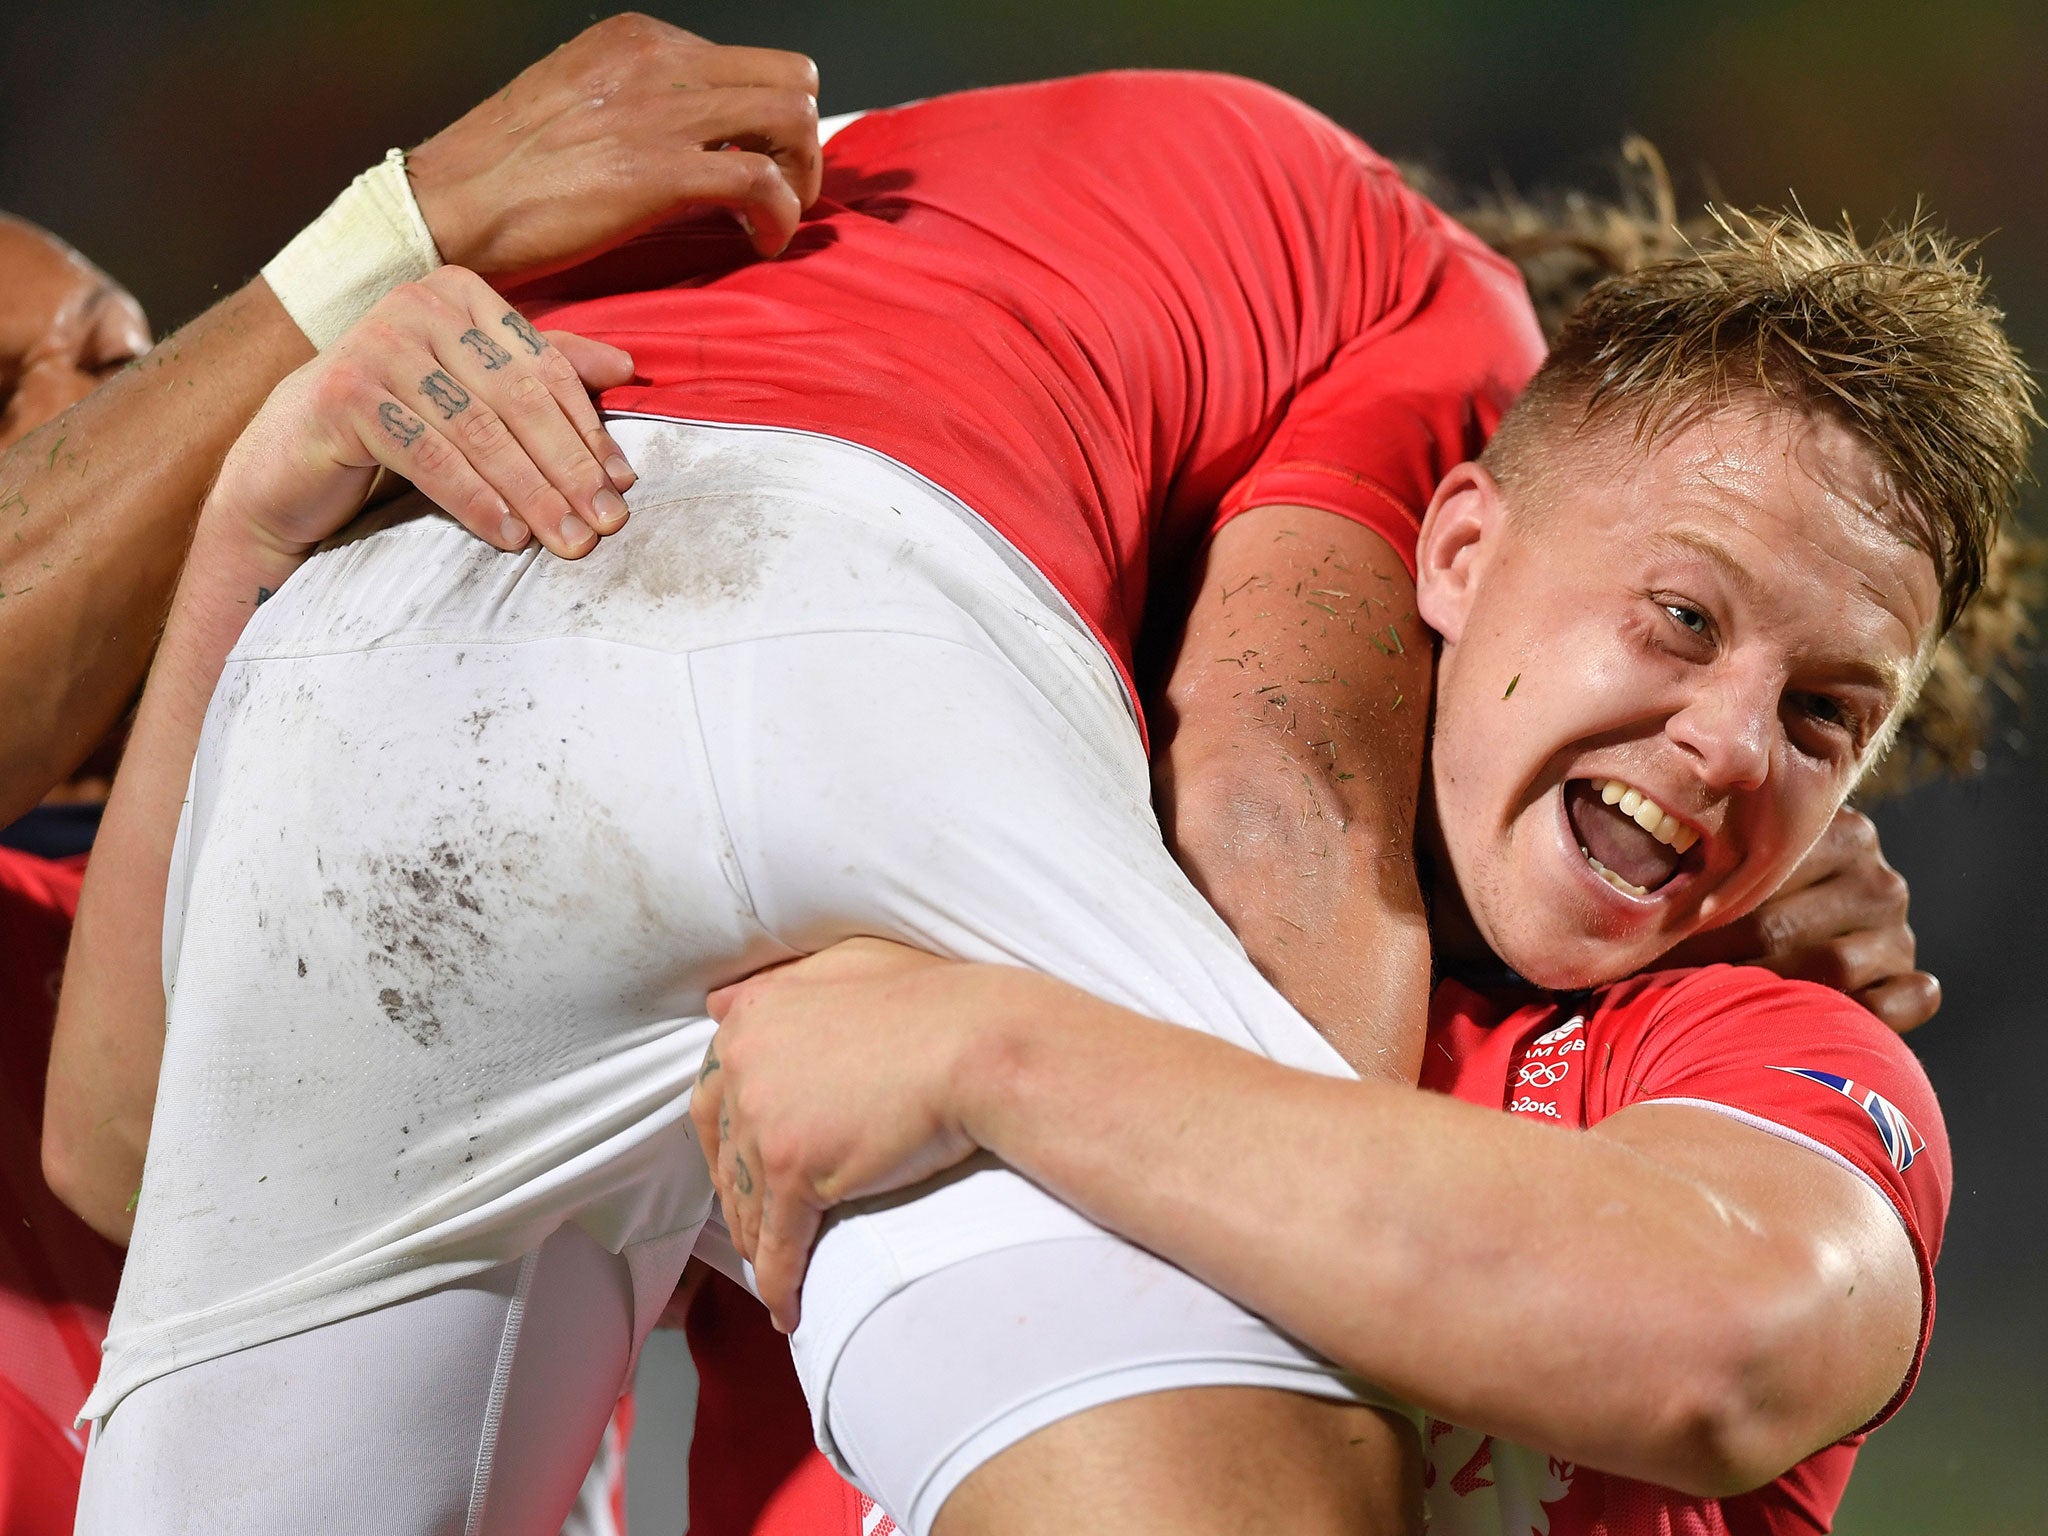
x=1778, y=459
x=1754, y=460
x=1791, y=506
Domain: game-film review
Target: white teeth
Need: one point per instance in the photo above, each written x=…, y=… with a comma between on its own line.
x=1647, y=814
x=1613, y=879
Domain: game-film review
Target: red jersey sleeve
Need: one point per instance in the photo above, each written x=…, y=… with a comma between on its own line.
x=1807, y=1064
x=1418, y=390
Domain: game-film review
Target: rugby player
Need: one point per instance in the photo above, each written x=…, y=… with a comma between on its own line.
x=864, y=607
x=283, y=490
x=573, y=1095
x=100, y=504
x=1682, y=601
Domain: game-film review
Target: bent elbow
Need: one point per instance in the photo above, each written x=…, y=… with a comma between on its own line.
x=1210, y=803
x=1740, y=1419
x=1720, y=1449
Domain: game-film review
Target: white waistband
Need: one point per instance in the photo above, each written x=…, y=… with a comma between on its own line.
x=812, y=452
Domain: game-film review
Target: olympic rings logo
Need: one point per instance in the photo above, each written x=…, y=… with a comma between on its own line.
x=1542, y=1074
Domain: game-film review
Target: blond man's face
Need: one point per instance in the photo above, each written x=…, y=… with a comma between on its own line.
x=1659, y=679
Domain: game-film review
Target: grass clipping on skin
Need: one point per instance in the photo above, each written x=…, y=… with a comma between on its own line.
x=1565, y=241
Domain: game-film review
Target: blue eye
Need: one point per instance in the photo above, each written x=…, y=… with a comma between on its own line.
x=1691, y=618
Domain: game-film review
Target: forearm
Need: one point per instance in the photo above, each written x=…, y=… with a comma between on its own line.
x=1321, y=889
x=97, y=508
x=109, y=1036
x=1292, y=728
x=1555, y=1288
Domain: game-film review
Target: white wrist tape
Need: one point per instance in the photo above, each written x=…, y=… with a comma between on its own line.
x=371, y=239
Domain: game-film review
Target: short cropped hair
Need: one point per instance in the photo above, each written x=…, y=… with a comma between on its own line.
x=1896, y=339
x=1566, y=240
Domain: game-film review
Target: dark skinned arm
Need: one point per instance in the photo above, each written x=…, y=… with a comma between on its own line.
x=585, y=148
x=1839, y=920
x=96, y=510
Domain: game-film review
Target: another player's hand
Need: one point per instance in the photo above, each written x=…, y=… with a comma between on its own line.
x=625, y=123
x=1839, y=920
x=828, y=1080
x=447, y=386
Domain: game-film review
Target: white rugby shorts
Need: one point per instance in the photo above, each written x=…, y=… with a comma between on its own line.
x=471, y=834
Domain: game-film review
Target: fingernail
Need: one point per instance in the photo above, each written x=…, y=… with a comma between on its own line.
x=610, y=508
x=620, y=471
x=575, y=533
x=512, y=532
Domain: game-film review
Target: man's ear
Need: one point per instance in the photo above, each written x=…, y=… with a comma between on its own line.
x=1458, y=533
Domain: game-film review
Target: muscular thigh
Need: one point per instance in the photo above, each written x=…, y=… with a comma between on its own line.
x=1017, y=1388
x=1237, y=1460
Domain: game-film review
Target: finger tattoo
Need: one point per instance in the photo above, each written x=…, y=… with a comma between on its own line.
x=450, y=396
x=521, y=327
x=710, y=1064
x=742, y=1177
x=404, y=427
x=488, y=352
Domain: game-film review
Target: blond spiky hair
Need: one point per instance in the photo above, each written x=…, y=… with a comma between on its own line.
x=1567, y=241
x=1896, y=339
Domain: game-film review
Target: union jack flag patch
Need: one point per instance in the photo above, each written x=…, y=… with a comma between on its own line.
x=1901, y=1142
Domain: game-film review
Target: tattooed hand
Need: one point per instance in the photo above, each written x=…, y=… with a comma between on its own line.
x=623, y=124
x=447, y=386
x=830, y=1078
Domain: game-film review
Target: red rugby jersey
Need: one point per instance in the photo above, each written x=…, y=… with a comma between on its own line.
x=1107, y=313
x=1794, y=1060
x=57, y=1276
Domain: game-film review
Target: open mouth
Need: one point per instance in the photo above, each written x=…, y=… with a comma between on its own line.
x=1632, y=842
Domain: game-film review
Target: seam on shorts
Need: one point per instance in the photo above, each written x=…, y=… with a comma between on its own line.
x=1020, y=566
x=728, y=853
x=494, y=1405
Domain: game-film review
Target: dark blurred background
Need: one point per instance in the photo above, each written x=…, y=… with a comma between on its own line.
x=181, y=144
